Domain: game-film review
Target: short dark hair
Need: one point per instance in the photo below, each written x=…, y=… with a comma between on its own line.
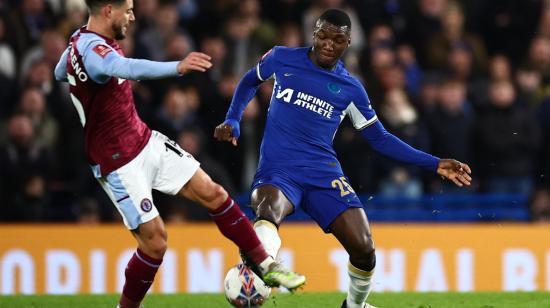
x=95, y=5
x=336, y=17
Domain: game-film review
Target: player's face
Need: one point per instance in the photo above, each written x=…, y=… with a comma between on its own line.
x=123, y=15
x=329, y=44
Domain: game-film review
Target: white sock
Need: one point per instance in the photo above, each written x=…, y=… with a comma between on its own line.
x=359, y=286
x=264, y=266
x=269, y=236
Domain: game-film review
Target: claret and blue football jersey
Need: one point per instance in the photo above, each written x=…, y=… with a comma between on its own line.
x=96, y=69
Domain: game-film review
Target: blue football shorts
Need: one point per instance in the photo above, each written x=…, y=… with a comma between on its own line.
x=322, y=194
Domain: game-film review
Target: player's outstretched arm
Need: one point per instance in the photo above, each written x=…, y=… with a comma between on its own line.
x=195, y=61
x=103, y=62
x=229, y=130
x=455, y=171
x=387, y=144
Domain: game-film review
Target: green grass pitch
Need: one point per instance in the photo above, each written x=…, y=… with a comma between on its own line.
x=300, y=300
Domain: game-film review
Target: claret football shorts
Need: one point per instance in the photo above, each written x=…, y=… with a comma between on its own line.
x=161, y=165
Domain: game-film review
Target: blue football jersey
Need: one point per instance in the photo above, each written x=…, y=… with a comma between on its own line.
x=307, y=106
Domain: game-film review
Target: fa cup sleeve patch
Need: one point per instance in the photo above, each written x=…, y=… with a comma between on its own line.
x=102, y=50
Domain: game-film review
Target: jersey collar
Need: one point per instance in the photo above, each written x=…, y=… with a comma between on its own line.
x=108, y=40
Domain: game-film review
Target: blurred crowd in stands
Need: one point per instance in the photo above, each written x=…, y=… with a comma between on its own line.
x=461, y=79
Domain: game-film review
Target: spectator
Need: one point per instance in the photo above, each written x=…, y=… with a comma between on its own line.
x=289, y=35
x=506, y=142
x=145, y=12
x=425, y=22
x=75, y=16
x=451, y=122
x=460, y=66
x=539, y=56
x=453, y=33
x=155, y=38
x=531, y=89
x=284, y=10
x=33, y=105
x=428, y=93
x=7, y=56
x=188, y=9
x=177, y=47
x=450, y=126
x=28, y=21
x=460, y=63
x=380, y=59
x=507, y=26
x=23, y=173
x=500, y=68
x=413, y=73
x=401, y=119
x=177, y=112
x=242, y=47
x=8, y=88
x=543, y=28
x=215, y=47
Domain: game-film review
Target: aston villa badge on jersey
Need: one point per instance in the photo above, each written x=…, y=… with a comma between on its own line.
x=146, y=205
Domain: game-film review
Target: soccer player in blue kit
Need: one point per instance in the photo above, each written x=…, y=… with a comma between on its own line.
x=298, y=167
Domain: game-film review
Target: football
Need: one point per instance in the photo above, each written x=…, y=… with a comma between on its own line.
x=243, y=288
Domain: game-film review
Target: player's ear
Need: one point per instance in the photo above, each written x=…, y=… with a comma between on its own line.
x=108, y=10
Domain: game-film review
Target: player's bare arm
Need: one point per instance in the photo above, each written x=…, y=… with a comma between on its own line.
x=195, y=61
x=455, y=171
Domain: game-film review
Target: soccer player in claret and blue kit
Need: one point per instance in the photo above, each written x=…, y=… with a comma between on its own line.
x=298, y=167
x=129, y=159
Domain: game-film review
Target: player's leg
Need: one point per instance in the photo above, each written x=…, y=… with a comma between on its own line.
x=229, y=218
x=271, y=207
x=131, y=194
x=142, y=267
x=179, y=174
x=235, y=225
x=352, y=230
x=333, y=204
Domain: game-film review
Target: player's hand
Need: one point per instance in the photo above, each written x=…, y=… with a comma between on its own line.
x=455, y=171
x=195, y=61
x=228, y=131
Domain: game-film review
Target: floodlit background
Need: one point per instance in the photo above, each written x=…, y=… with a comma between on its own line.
x=460, y=79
